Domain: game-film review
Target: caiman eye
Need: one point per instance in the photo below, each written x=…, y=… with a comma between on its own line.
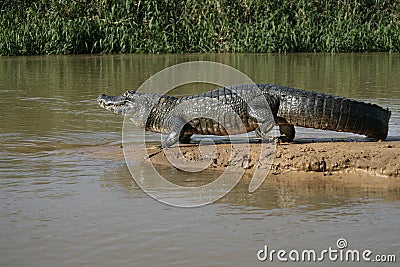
x=129, y=93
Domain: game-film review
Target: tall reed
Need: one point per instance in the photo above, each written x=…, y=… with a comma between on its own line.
x=168, y=26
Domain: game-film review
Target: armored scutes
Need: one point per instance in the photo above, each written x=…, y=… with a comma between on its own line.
x=245, y=108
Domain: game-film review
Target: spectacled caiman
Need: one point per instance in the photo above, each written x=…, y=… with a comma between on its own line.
x=256, y=108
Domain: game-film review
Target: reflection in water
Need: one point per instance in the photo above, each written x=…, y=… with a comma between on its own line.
x=274, y=194
x=63, y=206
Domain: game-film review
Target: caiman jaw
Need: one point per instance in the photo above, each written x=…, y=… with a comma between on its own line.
x=116, y=104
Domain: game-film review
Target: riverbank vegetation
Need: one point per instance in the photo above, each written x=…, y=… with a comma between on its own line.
x=167, y=26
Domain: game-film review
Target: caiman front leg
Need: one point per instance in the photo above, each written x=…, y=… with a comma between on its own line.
x=183, y=137
x=177, y=133
x=286, y=129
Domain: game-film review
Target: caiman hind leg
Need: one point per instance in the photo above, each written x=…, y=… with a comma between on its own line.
x=259, y=109
x=286, y=129
x=265, y=123
x=263, y=130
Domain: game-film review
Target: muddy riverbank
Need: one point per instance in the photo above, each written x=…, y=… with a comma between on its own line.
x=359, y=163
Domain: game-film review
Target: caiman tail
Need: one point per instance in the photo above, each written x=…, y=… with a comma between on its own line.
x=327, y=112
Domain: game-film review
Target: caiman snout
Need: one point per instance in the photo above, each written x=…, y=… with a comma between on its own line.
x=101, y=97
x=116, y=104
x=109, y=100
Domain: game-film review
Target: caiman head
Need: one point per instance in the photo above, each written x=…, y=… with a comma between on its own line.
x=135, y=106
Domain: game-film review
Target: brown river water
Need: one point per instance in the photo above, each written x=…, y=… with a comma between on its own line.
x=61, y=206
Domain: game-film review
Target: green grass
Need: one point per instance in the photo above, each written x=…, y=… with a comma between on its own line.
x=166, y=26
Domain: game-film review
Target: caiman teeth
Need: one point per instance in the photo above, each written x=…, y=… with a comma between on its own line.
x=105, y=101
x=114, y=104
